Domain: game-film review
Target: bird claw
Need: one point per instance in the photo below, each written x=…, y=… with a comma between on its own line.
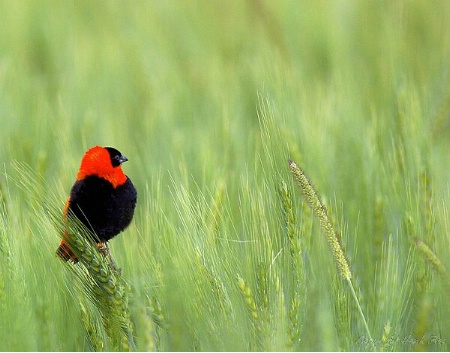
x=103, y=248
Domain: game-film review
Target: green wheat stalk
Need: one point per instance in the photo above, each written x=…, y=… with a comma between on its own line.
x=104, y=284
x=321, y=213
x=250, y=303
x=100, y=281
x=248, y=297
x=386, y=336
x=216, y=285
x=92, y=328
x=294, y=324
x=149, y=331
x=432, y=258
x=288, y=210
x=297, y=264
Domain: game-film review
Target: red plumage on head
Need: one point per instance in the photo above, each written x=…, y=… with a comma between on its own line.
x=97, y=161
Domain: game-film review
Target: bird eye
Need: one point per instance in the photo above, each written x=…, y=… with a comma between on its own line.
x=115, y=160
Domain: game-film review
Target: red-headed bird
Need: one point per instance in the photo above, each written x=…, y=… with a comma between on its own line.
x=103, y=198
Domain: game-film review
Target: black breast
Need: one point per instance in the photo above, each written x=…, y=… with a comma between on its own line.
x=101, y=208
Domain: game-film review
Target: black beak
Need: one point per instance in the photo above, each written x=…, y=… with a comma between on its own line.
x=122, y=159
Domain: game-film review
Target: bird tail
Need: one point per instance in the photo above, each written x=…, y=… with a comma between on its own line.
x=65, y=253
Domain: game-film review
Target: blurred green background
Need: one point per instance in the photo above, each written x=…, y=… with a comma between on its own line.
x=208, y=100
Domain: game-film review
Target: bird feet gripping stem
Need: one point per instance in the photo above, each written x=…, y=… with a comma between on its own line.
x=103, y=248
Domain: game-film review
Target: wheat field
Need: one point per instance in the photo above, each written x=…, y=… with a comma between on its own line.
x=292, y=166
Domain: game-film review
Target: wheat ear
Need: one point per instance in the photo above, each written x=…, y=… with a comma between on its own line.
x=321, y=213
